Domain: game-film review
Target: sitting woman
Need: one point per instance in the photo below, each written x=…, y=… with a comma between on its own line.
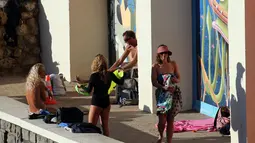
x=100, y=81
x=36, y=91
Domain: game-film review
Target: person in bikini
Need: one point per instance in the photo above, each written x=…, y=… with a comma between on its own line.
x=36, y=91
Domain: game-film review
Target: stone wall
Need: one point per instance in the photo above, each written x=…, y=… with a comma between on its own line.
x=19, y=35
x=11, y=133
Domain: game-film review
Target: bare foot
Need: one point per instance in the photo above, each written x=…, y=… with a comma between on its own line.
x=159, y=140
x=77, y=78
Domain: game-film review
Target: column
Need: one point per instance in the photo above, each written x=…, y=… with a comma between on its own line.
x=250, y=68
x=237, y=70
x=144, y=36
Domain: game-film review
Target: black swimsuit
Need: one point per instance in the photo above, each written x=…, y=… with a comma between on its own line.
x=100, y=96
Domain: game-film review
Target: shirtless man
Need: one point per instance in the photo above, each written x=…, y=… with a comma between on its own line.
x=130, y=53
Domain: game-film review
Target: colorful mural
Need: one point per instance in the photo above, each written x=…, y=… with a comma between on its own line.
x=214, y=52
x=125, y=19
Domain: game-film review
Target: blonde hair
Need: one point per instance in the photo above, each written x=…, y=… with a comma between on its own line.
x=33, y=78
x=99, y=64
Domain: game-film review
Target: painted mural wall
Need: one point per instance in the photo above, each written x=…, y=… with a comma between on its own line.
x=214, y=52
x=125, y=19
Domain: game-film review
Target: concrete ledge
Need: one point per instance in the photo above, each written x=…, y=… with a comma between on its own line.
x=16, y=113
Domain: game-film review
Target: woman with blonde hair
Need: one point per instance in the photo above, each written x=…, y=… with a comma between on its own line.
x=35, y=89
x=100, y=81
x=165, y=76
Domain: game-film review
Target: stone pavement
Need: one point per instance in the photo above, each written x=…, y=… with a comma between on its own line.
x=127, y=124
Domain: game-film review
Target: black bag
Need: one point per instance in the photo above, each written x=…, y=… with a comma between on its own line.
x=84, y=128
x=69, y=115
x=225, y=130
x=128, y=92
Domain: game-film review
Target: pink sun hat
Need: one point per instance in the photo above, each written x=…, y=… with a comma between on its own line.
x=164, y=49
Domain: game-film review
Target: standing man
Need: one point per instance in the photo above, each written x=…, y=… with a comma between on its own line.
x=128, y=67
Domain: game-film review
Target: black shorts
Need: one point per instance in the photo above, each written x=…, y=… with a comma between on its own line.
x=101, y=102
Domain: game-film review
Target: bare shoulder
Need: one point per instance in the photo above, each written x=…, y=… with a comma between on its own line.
x=174, y=63
x=155, y=65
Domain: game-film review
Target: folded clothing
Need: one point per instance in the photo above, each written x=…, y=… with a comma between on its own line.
x=84, y=128
x=63, y=125
x=80, y=127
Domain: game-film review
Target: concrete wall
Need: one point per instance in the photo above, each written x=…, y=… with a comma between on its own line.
x=164, y=22
x=15, y=127
x=88, y=34
x=237, y=68
x=171, y=25
x=54, y=36
x=12, y=133
x=72, y=33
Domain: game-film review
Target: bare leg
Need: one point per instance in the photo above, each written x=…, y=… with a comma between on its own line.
x=170, y=128
x=105, y=120
x=94, y=113
x=161, y=126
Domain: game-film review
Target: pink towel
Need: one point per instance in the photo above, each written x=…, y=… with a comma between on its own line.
x=194, y=125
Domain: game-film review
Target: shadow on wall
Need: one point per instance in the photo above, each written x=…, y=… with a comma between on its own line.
x=238, y=106
x=147, y=109
x=46, y=43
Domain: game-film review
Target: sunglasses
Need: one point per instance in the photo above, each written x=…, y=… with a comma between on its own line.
x=163, y=53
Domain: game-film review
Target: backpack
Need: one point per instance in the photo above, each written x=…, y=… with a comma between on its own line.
x=128, y=92
x=69, y=115
x=222, y=120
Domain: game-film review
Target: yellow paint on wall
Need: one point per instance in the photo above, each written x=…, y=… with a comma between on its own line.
x=126, y=16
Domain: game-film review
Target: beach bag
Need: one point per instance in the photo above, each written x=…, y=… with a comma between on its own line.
x=222, y=117
x=128, y=92
x=69, y=115
x=225, y=130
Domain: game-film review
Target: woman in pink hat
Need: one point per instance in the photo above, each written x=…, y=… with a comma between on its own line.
x=165, y=76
